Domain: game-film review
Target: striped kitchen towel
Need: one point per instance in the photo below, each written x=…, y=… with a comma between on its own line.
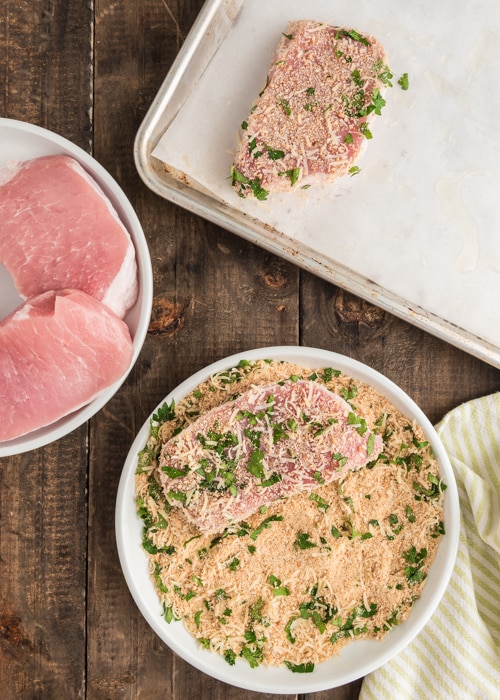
x=457, y=654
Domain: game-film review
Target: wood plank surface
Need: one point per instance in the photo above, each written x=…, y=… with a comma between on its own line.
x=68, y=625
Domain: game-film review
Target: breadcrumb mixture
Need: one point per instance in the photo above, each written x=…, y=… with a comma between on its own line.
x=308, y=574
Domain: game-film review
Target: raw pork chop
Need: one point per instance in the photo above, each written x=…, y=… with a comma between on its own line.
x=310, y=121
x=270, y=442
x=58, y=230
x=58, y=351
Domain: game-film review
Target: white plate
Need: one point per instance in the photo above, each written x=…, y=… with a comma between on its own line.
x=357, y=659
x=22, y=141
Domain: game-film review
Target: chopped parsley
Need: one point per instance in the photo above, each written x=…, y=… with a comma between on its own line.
x=275, y=153
x=300, y=668
x=434, y=491
x=230, y=657
x=286, y=106
x=164, y=413
x=415, y=560
x=233, y=564
x=265, y=524
x=278, y=589
x=244, y=182
x=403, y=82
x=304, y=541
x=352, y=34
x=293, y=175
x=320, y=502
x=255, y=466
x=168, y=613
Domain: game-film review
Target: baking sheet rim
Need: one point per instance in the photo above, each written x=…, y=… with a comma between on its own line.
x=221, y=214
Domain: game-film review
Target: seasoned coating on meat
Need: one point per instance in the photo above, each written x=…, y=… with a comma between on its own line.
x=271, y=442
x=310, y=121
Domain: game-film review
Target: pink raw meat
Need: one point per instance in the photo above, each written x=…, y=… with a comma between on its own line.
x=58, y=230
x=58, y=351
x=270, y=442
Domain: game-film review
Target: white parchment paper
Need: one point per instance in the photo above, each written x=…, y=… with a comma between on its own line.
x=422, y=218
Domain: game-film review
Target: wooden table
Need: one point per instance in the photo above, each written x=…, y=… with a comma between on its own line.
x=68, y=625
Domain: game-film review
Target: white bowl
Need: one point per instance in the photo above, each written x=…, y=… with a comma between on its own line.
x=22, y=141
x=358, y=658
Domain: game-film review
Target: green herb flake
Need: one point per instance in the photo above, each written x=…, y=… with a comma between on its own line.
x=403, y=82
x=377, y=101
x=254, y=464
x=434, y=491
x=293, y=175
x=352, y=34
x=335, y=532
x=164, y=413
x=329, y=373
x=233, y=564
x=318, y=478
x=300, y=668
x=157, y=577
x=238, y=178
x=275, y=153
x=230, y=657
x=255, y=611
x=254, y=657
x=356, y=78
x=415, y=560
x=285, y=105
x=278, y=589
x=320, y=502
x=281, y=591
x=370, y=444
x=357, y=422
x=365, y=130
x=177, y=496
x=410, y=514
x=382, y=72
x=168, y=613
x=340, y=459
x=349, y=393
x=175, y=473
x=264, y=525
x=304, y=541
x=288, y=630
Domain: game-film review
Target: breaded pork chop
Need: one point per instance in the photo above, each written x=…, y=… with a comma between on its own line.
x=310, y=121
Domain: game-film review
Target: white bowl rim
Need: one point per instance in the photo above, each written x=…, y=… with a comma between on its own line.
x=345, y=667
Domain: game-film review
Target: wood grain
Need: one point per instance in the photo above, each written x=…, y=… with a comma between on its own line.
x=68, y=625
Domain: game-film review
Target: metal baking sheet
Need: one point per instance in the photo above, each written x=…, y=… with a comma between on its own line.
x=451, y=279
